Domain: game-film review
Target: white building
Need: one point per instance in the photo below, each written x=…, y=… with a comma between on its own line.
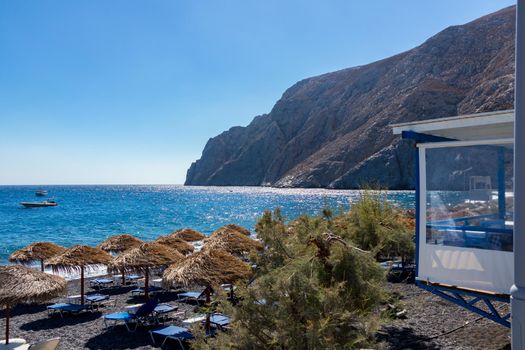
x=464, y=208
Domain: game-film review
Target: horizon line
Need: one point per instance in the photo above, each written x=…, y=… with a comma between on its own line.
x=97, y=184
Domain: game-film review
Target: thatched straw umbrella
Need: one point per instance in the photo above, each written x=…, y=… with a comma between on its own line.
x=19, y=284
x=36, y=251
x=231, y=241
x=188, y=235
x=207, y=268
x=141, y=259
x=77, y=258
x=235, y=227
x=178, y=244
x=119, y=244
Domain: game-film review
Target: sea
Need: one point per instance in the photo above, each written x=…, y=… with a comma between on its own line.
x=90, y=214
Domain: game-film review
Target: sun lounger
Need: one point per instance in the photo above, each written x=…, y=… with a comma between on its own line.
x=172, y=332
x=163, y=310
x=133, y=279
x=66, y=308
x=194, y=295
x=93, y=300
x=143, y=314
x=50, y=344
x=191, y=295
x=220, y=320
x=97, y=300
x=160, y=313
x=101, y=283
x=179, y=334
x=193, y=320
x=151, y=290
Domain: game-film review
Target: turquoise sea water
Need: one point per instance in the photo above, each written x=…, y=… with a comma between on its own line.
x=89, y=214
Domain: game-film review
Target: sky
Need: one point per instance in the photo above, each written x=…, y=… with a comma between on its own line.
x=129, y=92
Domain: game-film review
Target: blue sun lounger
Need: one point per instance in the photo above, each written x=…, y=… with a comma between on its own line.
x=180, y=334
x=101, y=283
x=191, y=295
x=141, y=316
x=63, y=308
x=133, y=279
x=151, y=290
x=220, y=320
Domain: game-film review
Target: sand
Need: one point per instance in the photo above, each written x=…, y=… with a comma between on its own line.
x=431, y=323
x=87, y=330
x=429, y=319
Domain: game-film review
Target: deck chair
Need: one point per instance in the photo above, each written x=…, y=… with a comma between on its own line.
x=151, y=290
x=50, y=344
x=66, y=308
x=133, y=279
x=192, y=295
x=179, y=334
x=101, y=283
x=140, y=317
x=220, y=320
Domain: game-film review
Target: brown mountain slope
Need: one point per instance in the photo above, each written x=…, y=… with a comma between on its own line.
x=332, y=130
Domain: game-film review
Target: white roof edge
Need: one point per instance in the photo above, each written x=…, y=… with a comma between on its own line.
x=478, y=119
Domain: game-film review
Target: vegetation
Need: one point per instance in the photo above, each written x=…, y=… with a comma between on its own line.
x=318, y=284
x=375, y=225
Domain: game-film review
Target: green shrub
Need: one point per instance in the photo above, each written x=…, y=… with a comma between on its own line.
x=318, y=284
x=375, y=225
x=313, y=290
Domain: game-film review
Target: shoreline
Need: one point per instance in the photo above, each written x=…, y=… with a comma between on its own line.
x=199, y=187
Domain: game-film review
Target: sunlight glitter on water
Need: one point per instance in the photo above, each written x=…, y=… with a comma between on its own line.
x=89, y=214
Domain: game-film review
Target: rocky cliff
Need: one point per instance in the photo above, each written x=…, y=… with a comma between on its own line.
x=333, y=130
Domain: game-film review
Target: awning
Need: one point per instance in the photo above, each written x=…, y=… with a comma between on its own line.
x=472, y=127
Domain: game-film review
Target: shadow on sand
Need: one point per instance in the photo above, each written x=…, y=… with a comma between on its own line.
x=119, y=338
x=405, y=338
x=164, y=297
x=56, y=321
x=112, y=291
x=22, y=309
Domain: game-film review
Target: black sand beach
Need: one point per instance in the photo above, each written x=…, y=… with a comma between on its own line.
x=87, y=330
x=434, y=323
x=427, y=326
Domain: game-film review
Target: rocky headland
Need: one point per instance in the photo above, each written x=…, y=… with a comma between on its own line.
x=333, y=130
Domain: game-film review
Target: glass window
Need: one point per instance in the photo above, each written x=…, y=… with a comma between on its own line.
x=469, y=196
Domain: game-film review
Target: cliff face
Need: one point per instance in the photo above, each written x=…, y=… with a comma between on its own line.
x=332, y=130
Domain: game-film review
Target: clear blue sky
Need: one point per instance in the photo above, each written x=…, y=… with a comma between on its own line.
x=106, y=91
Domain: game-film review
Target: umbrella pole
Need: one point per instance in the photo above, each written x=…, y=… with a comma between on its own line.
x=208, y=300
x=82, y=285
x=123, y=277
x=7, y=315
x=42, y=265
x=146, y=284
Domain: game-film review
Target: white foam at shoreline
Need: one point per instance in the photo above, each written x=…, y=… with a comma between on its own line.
x=89, y=271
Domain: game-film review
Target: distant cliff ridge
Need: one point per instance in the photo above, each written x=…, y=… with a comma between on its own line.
x=332, y=130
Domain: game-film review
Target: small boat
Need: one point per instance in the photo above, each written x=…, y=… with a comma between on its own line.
x=41, y=193
x=39, y=204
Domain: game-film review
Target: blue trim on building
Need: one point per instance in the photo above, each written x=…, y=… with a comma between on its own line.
x=501, y=183
x=418, y=213
x=423, y=138
x=470, y=299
